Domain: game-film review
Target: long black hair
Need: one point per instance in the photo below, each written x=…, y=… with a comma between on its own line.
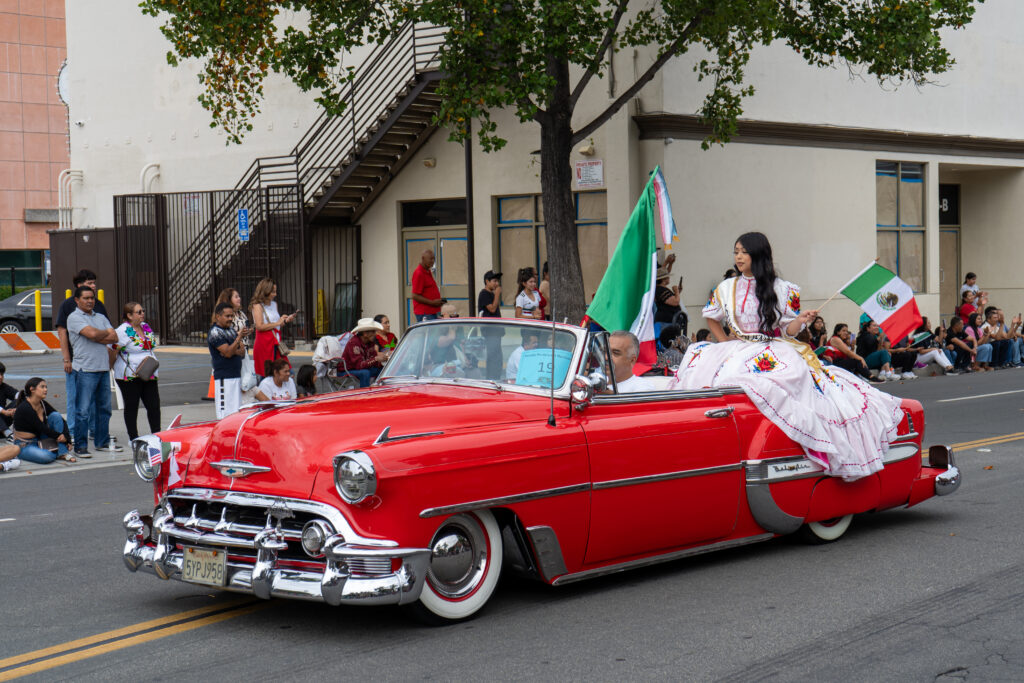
x=763, y=269
x=30, y=386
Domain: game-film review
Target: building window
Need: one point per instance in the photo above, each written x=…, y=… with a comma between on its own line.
x=521, y=239
x=899, y=210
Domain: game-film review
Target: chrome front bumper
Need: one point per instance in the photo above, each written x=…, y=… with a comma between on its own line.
x=335, y=584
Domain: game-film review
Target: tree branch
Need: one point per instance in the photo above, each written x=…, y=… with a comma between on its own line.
x=644, y=79
x=595, y=63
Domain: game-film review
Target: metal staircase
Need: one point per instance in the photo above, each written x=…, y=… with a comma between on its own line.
x=334, y=173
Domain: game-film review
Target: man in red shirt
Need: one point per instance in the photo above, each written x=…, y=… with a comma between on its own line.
x=426, y=297
x=363, y=360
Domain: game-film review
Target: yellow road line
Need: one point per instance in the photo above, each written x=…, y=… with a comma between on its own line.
x=989, y=440
x=124, y=637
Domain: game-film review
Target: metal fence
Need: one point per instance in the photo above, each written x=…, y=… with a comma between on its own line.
x=177, y=251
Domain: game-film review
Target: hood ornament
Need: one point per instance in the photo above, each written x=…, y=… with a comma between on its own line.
x=238, y=468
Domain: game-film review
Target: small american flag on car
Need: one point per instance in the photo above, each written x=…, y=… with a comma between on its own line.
x=154, y=456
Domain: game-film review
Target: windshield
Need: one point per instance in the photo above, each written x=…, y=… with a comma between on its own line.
x=509, y=353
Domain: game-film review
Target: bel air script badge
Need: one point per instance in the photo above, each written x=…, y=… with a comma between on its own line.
x=238, y=468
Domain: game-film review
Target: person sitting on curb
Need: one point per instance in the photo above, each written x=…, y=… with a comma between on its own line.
x=36, y=420
x=279, y=385
x=625, y=349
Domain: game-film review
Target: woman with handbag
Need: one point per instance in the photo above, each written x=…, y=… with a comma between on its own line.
x=250, y=382
x=135, y=369
x=268, y=346
x=39, y=429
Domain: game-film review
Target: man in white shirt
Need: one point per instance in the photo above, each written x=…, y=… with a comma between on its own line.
x=625, y=349
x=531, y=338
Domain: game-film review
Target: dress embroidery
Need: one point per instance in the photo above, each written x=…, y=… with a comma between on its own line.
x=794, y=301
x=766, y=361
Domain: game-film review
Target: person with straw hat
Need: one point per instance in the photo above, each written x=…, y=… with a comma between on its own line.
x=362, y=358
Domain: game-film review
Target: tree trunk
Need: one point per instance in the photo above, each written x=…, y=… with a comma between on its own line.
x=567, y=295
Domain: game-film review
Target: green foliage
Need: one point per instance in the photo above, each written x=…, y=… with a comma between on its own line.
x=518, y=53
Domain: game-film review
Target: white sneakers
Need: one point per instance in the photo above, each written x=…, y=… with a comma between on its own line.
x=9, y=465
x=893, y=376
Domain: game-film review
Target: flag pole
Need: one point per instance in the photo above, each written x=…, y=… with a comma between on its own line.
x=829, y=299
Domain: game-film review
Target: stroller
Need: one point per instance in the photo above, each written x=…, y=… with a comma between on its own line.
x=331, y=373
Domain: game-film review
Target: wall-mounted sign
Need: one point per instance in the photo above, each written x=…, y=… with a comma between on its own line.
x=589, y=174
x=243, y=225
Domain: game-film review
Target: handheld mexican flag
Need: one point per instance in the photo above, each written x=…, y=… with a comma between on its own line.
x=887, y=299
x=625, y=297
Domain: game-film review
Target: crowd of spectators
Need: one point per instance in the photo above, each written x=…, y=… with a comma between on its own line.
x=976, y=340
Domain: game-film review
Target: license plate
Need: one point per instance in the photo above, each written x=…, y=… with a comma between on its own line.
x=204, y=566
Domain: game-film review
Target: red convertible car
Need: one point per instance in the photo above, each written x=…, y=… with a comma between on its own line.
x=483, y=445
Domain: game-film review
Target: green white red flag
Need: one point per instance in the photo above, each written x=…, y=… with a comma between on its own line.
x=625, y=297
x=887, y=299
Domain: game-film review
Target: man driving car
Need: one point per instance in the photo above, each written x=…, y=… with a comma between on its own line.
x=625, y=349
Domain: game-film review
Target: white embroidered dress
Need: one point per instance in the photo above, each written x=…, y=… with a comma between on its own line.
x=844, y=424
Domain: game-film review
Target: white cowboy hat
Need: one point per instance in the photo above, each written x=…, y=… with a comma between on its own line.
x=367, y=325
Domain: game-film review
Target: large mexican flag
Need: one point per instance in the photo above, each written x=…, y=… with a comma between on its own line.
x=887, y=299
x=625, y=297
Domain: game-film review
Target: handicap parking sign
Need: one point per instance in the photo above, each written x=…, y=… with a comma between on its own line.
x=243, y=225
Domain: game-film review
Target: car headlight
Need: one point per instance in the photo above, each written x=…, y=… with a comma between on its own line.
x=354, y=476
x=148, y=455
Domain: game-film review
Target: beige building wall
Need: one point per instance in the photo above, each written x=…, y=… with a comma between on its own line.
x=991, y=211
x=130, y=108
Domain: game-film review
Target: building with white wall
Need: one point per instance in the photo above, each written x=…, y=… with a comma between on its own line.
x=835, y=169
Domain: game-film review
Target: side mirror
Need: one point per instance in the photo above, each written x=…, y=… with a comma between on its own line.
x=582, y=391
x=598, y=382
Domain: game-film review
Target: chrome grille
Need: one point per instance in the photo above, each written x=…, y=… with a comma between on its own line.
x=219, y=524
x=370, y=566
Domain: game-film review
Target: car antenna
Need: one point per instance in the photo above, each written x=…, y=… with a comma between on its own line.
x=551, y=415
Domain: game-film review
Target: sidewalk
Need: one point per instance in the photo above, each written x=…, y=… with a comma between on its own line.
x=191, y=412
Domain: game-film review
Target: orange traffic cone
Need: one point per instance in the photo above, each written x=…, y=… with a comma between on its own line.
x=209, y=394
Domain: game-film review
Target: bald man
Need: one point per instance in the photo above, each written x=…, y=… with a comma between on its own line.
x=426, y=297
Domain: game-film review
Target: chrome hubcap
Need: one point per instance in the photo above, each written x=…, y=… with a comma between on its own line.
x=458, y=559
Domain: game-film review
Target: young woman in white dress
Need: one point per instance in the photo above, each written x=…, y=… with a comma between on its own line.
x=844, y=424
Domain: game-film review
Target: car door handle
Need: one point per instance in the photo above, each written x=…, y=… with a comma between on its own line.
x=719, y=412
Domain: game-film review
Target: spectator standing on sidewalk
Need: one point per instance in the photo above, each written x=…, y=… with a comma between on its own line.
x=232, y=296
x=135, y=343
x=226, y=353
x=89, y=333
x=488, y=304
x=268, y=323
x=971, y=284
x=87, y=278
x=426, y=297
x=545, y=290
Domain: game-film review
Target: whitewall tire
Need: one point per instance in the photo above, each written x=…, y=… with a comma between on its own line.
x=464, y=568
x=828, y=530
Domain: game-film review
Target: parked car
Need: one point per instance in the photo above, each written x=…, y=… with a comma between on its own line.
x=18, y=312
x=420, y=489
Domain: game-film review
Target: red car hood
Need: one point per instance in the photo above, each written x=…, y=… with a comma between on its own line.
x=297, y=442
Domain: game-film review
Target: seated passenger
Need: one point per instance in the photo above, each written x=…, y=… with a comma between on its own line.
x=362, y=358
x=531, y=338
x=625, y=349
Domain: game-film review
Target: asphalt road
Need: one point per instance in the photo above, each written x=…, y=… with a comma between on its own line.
x=934, y=592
